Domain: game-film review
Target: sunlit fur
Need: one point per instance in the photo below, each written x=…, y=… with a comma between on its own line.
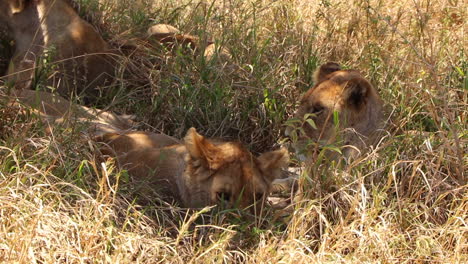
x=55, y=110
x=125, y=142
x=199, y=172
x=80, y=56
x=355, y=100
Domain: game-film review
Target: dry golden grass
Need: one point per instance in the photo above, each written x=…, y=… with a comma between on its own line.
x=404, y=202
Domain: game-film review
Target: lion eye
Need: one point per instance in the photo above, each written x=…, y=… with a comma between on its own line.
x=223, y=196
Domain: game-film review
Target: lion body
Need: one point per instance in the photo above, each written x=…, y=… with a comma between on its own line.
x=199, y=172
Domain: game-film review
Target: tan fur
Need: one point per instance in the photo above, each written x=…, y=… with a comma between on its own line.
x=200, y=172
x=212, y=51
x=123, y=143
x=353, y=97
x=169, y=36
x=24, y=25
x=79, y=53
x=57, y=110
x=162, y=31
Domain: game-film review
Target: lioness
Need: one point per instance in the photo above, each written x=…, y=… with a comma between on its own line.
x=198, y=172
x=80, y=58
x=352, y=97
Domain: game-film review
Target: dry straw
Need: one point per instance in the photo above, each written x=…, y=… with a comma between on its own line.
x=405, y=201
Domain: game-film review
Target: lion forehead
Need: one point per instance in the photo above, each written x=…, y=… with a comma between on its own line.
x=344, y=75
x=326, y=94
x=233, y=151
x=242, y=172
x=252, y=174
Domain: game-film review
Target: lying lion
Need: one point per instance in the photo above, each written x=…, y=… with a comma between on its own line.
x=346, y=93
x=196, y=172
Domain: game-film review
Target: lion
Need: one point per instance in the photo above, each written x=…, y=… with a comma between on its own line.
x=169, y=35
x=197, y=172
x=343, y=108
x=81, y=60
x=56, y=110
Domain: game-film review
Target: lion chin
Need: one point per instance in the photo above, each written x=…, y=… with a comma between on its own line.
x=196, y=171
x=344, y=109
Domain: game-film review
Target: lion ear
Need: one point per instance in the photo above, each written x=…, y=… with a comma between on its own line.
x=323, y=71
x=161, y=31
x=17, y=6
x=202, y=150
x=356, y=93
x=272, y=162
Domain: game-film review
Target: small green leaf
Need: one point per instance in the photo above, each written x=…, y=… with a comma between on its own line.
x=333, y=148
x=311, y=123
x=294, y=122
x=460, y=71
x=336, y=119
x=309, y=115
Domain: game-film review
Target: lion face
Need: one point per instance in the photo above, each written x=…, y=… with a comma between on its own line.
x=343, y=108
x=200, y=172
x=228, y=173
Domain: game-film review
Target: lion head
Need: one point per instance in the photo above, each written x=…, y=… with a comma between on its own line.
x=201, y=172
x=341, y=108
x=228, y=172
